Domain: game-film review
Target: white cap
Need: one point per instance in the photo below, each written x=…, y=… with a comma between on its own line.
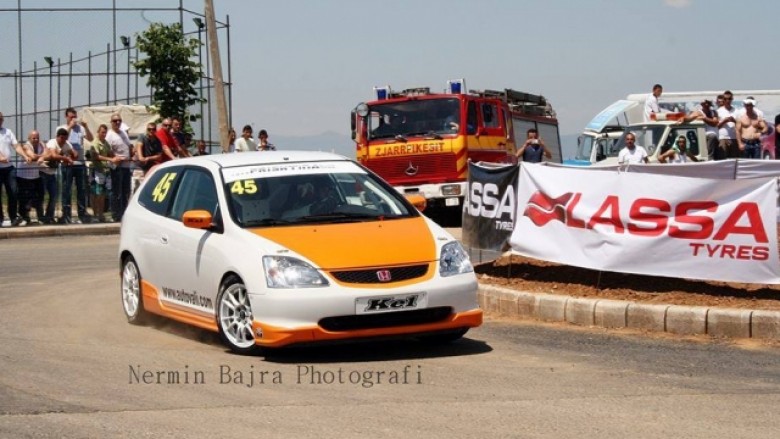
x=749, y=101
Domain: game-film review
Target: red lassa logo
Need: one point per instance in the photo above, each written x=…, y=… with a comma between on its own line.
x=542, y=208
x=688, y=220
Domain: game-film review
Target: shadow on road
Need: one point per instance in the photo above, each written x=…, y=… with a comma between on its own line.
x=354, y=351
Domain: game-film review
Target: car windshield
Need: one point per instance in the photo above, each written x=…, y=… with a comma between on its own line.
x=432, y=117
x=324, y=192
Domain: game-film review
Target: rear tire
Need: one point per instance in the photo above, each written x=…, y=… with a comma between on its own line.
x=234, y=317
x=132, y=297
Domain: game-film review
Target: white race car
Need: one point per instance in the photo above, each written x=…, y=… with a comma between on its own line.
x=278, y=248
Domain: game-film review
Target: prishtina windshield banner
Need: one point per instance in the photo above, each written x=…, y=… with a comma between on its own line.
x=662, y=225
x=489, y=206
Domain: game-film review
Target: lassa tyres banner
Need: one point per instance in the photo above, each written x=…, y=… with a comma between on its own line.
x=489, y=207
x=658, y=225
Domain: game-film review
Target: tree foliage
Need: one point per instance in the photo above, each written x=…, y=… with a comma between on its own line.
x=172, y=73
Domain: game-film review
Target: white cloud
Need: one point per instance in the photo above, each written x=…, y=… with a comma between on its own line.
x=678, y=3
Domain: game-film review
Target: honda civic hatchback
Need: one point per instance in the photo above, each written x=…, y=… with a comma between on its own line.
x=278, y=248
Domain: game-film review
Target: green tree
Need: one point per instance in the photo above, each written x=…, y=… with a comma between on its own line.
x=170, y=68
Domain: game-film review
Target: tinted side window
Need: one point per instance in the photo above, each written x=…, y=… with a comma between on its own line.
x=490, y=116
x=157, y=193
x=196, y=191
x=471, y=123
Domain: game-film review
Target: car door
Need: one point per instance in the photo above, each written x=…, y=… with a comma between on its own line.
x=191, y=257
x=155, y=199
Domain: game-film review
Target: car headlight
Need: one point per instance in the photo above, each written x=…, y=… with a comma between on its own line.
x=286, y=272
x=454, y=260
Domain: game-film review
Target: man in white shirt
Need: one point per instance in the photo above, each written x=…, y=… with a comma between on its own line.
x=122, y=163
x=727, y=127
x=651, y=104
x=8, y=146
x=245, y=143
x=78, y=131
x=632, y=154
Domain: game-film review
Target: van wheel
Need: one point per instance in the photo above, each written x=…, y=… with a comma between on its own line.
x=234, y=317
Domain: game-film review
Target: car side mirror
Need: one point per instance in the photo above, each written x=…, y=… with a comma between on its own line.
x=418, y=201
x=197, y=219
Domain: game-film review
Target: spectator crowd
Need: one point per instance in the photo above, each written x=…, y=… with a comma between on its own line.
x=104, y=167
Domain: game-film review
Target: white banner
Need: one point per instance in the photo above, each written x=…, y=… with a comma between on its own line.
x=661, y=225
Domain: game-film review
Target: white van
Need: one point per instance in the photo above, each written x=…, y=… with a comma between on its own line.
x=601, y=141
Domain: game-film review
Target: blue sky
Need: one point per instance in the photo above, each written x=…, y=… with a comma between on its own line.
x=299, y=67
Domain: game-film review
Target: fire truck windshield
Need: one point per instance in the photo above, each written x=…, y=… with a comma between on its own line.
x=428, y=117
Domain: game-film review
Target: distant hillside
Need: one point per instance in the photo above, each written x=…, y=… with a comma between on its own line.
x=331, y=141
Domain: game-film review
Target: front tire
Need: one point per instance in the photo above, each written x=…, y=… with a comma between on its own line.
x=234, y=317
x=132, y=298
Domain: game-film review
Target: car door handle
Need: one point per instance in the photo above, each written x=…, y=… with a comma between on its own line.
x=164, y=239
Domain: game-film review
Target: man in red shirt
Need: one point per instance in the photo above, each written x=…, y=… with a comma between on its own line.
x=169, y=147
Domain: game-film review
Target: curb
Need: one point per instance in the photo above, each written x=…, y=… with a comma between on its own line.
x=604, y=313
x=59, y=230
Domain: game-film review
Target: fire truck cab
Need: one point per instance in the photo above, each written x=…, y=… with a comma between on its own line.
x=421, y=142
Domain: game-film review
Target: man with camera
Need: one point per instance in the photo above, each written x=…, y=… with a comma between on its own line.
x=533, y=148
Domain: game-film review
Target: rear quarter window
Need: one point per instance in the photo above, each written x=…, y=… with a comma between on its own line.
x=157, y=193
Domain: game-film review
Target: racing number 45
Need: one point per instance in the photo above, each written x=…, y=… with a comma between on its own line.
x=241, y=187
x=162, y=188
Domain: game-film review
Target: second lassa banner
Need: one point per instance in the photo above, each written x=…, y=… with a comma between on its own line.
x=670, y=226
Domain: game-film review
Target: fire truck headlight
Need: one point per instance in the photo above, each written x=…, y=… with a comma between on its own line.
x=454, y=260
x=450, y=189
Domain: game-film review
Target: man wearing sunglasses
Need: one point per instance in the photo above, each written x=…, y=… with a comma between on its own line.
x=727, y=132
x=148, y=148
x=122, y=163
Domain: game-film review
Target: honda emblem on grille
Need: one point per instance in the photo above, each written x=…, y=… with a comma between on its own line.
x=384, y=275
x=411, y=169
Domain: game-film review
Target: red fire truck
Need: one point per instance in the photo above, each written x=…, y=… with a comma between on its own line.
x=421, y=142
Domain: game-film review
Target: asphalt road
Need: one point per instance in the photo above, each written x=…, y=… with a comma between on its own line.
x=70, y=366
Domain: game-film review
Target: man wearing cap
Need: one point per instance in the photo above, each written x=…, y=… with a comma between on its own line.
x=749, y=129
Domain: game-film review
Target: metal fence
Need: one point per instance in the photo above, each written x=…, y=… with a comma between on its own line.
x=82, y=55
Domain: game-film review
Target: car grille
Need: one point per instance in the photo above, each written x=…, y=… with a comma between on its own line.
x=428, y=166
x=386, y=320
x=397, y=274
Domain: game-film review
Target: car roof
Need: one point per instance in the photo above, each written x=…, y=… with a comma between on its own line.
x=259, y=158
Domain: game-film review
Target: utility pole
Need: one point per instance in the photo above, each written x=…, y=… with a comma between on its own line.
x=219, y=87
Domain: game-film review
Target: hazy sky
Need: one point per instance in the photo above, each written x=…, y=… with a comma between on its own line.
x=299, y=67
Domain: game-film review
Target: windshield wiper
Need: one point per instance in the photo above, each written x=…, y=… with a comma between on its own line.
x=400, y=138
x=265, y=222
x=339, y=217
x=427, y=134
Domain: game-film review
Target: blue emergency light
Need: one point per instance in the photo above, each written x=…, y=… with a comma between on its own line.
x=456, y=86
x=382, y=93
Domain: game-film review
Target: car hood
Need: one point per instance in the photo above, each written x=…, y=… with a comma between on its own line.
x=360, y=244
